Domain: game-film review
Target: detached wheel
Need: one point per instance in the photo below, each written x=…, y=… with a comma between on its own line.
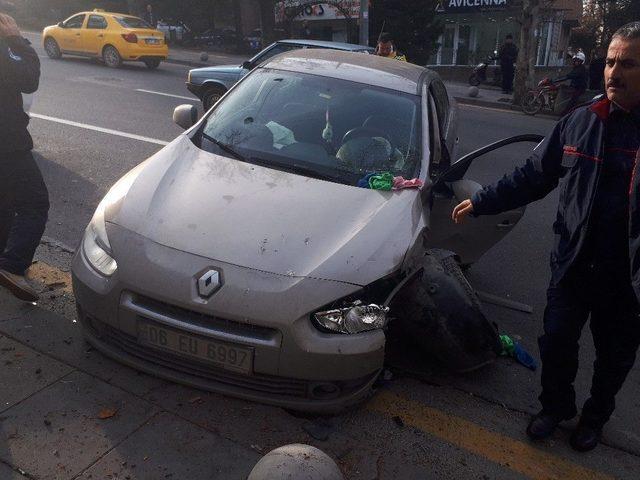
x=532, y=103
x=152, y=64
x=52, y=48
x=211, y=97
x=111, y=57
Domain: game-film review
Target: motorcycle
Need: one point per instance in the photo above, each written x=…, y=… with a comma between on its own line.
x=479, y=74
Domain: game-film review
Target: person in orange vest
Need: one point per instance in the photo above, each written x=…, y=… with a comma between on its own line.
x=386, y=48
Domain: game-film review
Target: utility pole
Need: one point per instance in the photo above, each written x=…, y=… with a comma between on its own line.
x=364, y=22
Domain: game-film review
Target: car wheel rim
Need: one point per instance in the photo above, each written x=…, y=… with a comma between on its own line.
x=51, y=48
x=213, y=99
x=111, y=57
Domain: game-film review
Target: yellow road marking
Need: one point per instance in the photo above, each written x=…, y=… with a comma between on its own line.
x=50, y=276
x=501, y=449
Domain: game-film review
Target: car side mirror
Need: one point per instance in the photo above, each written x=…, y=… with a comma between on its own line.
x=185, y=116
x=61, y=24
x=247, y=65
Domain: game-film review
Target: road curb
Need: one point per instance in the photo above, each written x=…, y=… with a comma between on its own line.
x=488, y=103
x=187, y=63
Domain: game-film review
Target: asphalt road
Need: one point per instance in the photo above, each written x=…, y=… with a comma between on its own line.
x=80, y=164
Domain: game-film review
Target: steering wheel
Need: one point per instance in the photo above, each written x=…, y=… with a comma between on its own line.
x=365, y=132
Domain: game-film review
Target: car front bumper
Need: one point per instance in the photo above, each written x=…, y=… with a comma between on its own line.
x=295, y=365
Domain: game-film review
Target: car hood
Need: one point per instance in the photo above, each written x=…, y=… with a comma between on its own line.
x=268, y=220
x=206, y=72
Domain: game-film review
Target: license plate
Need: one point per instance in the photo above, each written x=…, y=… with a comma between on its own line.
x=152, y=41
x=225, y=355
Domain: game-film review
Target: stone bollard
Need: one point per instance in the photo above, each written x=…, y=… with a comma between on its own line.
x=204, y=56
x=296, y=461
x=473, y=92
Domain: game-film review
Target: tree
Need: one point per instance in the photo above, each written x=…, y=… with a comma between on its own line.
x=525, y=63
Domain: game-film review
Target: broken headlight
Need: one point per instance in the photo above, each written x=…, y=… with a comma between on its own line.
x=356, y=318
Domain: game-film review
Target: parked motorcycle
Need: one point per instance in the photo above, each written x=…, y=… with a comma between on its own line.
x=479, y=74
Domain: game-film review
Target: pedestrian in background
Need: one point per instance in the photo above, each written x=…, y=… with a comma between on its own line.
x=594, y=151
x=578, y=85
x=596, y=70
x=24, y=200
x=386, y=48
x=507, y=55
x=150, y=17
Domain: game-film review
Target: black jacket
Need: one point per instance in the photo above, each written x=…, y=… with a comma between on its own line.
x=573, y=152
x=19, y=73
x=508, y=53
x=578, y=76
x=634, y=227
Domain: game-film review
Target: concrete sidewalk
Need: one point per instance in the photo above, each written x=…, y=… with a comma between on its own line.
x=194, y=58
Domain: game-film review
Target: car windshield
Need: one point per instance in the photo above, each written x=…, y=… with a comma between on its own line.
x=315, y=126
x=132, y=22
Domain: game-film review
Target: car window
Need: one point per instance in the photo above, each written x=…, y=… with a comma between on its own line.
x=276, y=50
x=96, y=22
x=75, y=22
x=441, y=100
x=320, y=127
x=132, y=22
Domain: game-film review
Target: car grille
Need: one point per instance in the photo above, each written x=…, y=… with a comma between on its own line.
x=200, y=319
x=255, y=382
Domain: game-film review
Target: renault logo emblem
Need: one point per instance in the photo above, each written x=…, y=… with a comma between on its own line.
x=209, y=283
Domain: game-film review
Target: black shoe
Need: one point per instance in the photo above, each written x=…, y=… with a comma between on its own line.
x=585, y=437
x=543, y=425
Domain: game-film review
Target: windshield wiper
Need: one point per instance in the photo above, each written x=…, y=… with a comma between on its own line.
x=310, y=172
x=225, y=148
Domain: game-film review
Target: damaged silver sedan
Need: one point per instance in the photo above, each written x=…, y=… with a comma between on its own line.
x=268, y=251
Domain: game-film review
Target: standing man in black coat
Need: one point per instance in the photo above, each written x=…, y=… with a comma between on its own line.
x=24, y=201
x=508, y=55
x=592, y=154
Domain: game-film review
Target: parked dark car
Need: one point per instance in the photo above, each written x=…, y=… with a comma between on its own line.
x=218, y=37
x=210, y=83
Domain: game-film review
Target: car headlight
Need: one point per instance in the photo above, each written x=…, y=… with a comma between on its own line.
x=95, y=244
x=357, y=318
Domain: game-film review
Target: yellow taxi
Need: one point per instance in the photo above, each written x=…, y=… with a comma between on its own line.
x=112, y=37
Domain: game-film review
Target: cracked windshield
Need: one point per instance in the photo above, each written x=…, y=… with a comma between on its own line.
x=319, y=127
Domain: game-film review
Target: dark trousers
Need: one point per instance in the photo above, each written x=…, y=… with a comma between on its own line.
x=507, y=76
x=574, y=98
x=615, y=326
x=24, y=207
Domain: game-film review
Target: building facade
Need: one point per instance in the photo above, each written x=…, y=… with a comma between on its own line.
x=334, y=21
x=475, y=29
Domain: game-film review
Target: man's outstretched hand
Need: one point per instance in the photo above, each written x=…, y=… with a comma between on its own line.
x=461, y=211
x=8, y=26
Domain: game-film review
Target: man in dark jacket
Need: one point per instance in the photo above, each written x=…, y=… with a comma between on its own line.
x=592, y=154
x=24, y=201
x=578, y=77
x=507, y=55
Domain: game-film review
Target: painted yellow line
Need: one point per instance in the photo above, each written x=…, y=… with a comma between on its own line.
x=501, y=449
x=50, y=277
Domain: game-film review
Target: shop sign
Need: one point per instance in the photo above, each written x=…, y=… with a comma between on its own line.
x=318, y=11
x=466, y=6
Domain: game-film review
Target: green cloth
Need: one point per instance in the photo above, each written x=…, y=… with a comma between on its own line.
x=508, y=347
x=382, y=181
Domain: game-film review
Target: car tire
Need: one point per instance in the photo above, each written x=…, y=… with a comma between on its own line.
x=152, y=64
x=211, y=96
x=52, y=48
x=111, y=57
x=532, y=103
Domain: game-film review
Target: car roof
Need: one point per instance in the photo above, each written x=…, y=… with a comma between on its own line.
x=108, y=14
x=327, y=44
x=356, y=67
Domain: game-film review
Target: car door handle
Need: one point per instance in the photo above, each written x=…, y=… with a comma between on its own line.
x=77, y=34
x=101, y=36
x=506, y=224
